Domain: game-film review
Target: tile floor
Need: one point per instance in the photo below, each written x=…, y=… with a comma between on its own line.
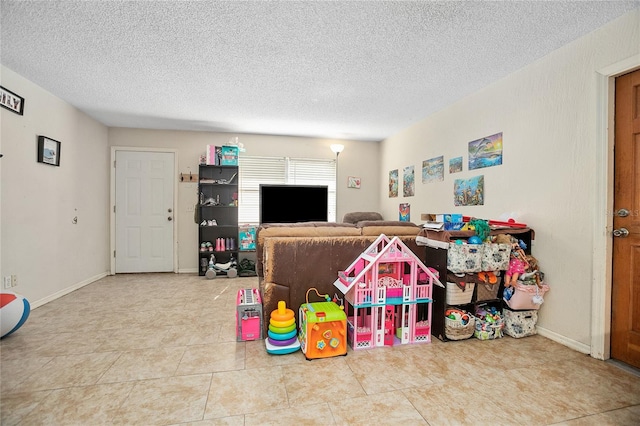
x=160, y=349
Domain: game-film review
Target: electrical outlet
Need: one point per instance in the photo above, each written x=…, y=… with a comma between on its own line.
x=14, y=280
x=6, y=282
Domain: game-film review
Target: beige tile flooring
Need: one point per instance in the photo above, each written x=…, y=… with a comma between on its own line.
x=160, y=349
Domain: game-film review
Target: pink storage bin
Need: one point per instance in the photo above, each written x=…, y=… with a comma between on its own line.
x=525, y=296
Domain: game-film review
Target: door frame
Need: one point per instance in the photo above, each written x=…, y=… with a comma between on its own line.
x=112, y=202
x=603, y=215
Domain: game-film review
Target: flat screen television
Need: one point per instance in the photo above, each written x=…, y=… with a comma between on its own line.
x=293, y=203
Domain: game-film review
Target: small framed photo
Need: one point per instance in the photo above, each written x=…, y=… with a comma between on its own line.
x=48, y=151
x=11, y=101
x=353, y=182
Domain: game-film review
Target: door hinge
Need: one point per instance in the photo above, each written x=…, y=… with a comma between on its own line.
x=114, y=164
x=114, y=208
x=114, y=253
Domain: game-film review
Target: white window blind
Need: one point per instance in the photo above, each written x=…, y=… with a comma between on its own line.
x=281, y=170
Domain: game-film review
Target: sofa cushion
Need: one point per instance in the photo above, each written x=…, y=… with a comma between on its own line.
x=388, y=227
x=307, y=229
x=355, y=217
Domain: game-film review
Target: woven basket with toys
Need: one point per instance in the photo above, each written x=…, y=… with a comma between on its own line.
x=458, y=324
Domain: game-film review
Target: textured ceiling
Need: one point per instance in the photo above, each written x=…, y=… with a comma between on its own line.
x=339, y=69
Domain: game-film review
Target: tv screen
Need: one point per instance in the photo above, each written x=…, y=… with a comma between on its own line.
x=294, y=203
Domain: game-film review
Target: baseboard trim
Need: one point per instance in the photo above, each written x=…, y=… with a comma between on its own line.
x=67, y=290
x=577, y=346
x=188, y=271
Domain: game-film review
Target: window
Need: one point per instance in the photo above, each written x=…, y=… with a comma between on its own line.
x=281, y=170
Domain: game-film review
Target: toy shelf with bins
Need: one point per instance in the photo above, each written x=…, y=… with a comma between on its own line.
x=436, y=257
x=218, y=214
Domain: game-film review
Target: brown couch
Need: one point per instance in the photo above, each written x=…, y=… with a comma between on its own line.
x=291, y=258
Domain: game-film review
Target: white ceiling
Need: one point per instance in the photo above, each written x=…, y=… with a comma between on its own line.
x=340, y=69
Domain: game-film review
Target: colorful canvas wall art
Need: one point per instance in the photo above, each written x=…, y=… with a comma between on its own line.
x=404, y=211
x=485, y=152
x=393, y=183
x=455, y=165
x=409, y=182
x=469, y=192
x=433, y=170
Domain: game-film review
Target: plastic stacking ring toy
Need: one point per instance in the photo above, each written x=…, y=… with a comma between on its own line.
x=283, y=342
x=282, y=330
x=287, y=336
x=283, y=324
x=282, y=313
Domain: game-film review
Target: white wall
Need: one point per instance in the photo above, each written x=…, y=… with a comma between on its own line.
x=40, y=245
x=547, y=113
x=357, y=159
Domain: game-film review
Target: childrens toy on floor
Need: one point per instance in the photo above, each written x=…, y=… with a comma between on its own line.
x=230, y=269
x=248, y=315
x=323, y=328
x=282, y=338
x=14, y=311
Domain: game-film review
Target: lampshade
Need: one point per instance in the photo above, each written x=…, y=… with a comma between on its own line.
x=337, y=148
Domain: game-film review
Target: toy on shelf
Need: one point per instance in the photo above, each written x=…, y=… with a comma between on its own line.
x=282, y=337
x=248, y=315
x=322, y=328
x=388, y=295
x=527, y=292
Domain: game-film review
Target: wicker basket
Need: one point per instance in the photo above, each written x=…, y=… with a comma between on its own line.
x=456, y=330
x=455, y=296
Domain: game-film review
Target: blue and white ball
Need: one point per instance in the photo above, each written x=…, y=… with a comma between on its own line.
x=14, y=311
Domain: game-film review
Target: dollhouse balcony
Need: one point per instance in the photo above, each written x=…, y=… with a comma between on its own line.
x=423, y=293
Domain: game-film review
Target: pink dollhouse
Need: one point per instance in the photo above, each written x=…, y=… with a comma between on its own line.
x=387, y=295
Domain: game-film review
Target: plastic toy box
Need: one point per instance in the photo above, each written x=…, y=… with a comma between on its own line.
x=248, y=315
x=322, y=330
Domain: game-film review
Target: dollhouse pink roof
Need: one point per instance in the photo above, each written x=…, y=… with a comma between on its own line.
x=380, y=250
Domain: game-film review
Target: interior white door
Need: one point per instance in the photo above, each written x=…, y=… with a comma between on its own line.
x=144, y=211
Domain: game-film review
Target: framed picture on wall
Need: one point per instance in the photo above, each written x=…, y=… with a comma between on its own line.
x=11, y=101
x=48, y=151
x=353, y=182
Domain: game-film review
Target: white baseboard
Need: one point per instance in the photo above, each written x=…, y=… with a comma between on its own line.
x=188, y=271
x=67, y=290
x=577, y=346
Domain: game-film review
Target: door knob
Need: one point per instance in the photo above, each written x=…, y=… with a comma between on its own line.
x=622, y=213
x=622, y=232
x=170, y=210
x=169, y=218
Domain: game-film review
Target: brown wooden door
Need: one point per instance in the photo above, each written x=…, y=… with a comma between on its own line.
x=625, y=318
